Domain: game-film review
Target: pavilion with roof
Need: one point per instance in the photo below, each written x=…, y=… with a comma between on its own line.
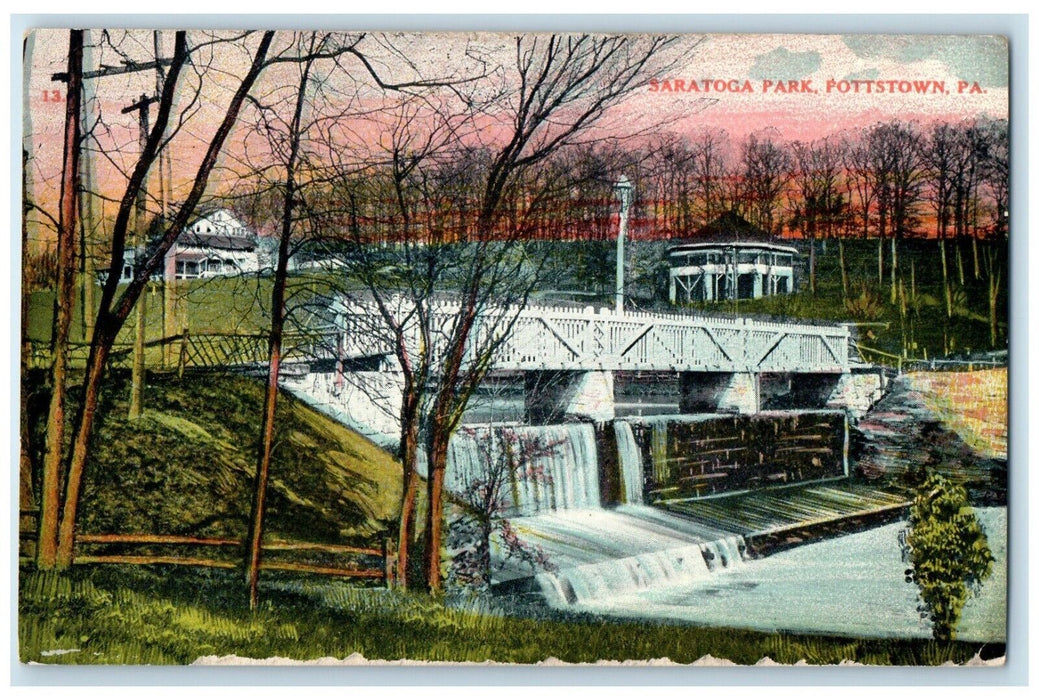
x=729, y=258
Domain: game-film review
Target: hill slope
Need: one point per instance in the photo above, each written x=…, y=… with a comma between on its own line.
x=187, y=466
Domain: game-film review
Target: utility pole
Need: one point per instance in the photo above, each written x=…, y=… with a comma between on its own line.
x=624, y=189
x=87, y=219
x=165, y=194
x=140, y=213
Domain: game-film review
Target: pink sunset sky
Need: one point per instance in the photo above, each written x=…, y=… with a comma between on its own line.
x=807, y=62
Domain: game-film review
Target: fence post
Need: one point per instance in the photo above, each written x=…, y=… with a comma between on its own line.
x=182, y=358
x=389, y=560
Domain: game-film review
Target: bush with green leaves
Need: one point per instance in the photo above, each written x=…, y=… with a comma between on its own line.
x=948, y=552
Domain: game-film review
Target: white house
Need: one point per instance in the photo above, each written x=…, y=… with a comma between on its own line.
x=216, y=244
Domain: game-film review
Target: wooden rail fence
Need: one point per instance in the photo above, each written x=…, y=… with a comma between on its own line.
x=383, y=570
x=187, y=350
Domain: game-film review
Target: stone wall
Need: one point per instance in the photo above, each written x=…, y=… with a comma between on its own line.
x=707, y=455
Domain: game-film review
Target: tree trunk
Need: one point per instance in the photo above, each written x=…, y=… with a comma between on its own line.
x=811, y=264
x=110, y=320
x=946, y=288
x=912, y=286
x=406, y=525
x=974, y=248
x=140, y=226
x=880, y=264
x=994, y=279
x=270, y=399
x=263, y=467
x=81, y=443
x=959, y=261
x=894, y=269
x=438, y=443
x=48, y=546
x=993, y=296
x=844, y=268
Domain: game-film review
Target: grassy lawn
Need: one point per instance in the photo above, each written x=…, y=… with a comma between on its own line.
x=167, y=616
x=215, y=305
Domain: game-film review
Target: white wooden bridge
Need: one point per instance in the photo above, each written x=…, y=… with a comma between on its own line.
x=568, y=358
x=574, y=339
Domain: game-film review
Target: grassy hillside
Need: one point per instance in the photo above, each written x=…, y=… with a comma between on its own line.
x=187, y=466
x=925, y=330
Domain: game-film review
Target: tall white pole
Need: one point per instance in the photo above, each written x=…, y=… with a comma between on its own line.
x=624, y=190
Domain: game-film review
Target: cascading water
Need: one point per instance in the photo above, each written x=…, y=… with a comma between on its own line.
x=724, y=553
x=631, y=462
x=551, y=497
x=615, y=577
x=547, y=468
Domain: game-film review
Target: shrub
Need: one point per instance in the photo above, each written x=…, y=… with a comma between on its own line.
x=948, y=552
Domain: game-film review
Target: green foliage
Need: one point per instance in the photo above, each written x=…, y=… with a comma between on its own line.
x=867, y=306
x=948, y=552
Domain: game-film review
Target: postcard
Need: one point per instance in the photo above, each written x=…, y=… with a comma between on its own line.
x=516, y=347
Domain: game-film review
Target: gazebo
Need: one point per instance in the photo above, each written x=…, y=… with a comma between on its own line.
x=729, y=258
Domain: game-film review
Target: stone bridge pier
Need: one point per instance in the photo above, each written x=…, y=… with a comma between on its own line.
x=856, y=390
x=554, y=396
x=719, y=392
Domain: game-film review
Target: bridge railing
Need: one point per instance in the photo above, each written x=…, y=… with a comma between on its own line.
x=546, y=337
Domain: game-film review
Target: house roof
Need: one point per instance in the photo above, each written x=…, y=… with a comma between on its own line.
x=742, y=245
x=218, y=241
x=730, y=227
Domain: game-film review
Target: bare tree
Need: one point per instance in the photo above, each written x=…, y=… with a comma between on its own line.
x=506, y=457
x=466, y=203
x=709, y=171
x=817, y=203
x=765, y=171
x=938, y=157
x=114, y=308
x=295, y=122
x=996, y=172
x=903, y=145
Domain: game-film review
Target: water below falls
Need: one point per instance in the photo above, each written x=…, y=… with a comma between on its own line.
x=850, y=585
x=553, y=500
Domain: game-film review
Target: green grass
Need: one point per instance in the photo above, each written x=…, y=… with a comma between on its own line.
x=217, y=305
x=187, y=466
x=166, y=616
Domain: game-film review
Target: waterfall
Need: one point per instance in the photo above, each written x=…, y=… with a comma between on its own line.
x=615, y=577
x=546, y=468
x=630, y=462
x=725, y=553
x=549, y=478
